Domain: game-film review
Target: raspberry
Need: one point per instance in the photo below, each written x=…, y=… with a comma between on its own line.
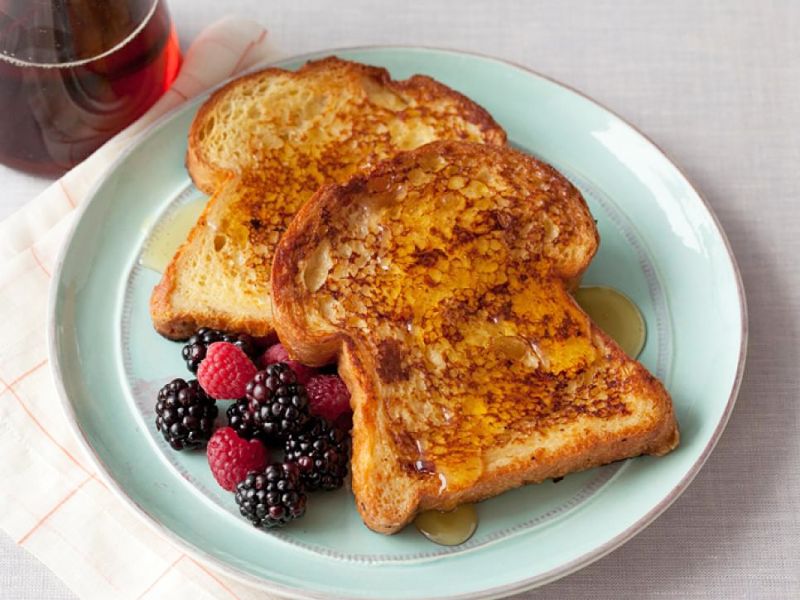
x=196, y=346
x=231, y=458
x=225, y=371
x=277, y=353
x=328, y=396
x=303, y=373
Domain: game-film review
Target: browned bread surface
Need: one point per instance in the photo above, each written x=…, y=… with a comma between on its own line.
x=440, y=281
x=263, y=144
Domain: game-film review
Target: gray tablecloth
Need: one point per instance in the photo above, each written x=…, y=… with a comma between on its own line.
x=717, y=85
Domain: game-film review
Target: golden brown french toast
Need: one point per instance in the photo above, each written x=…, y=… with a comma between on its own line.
x=440, y=281
x=262, y=145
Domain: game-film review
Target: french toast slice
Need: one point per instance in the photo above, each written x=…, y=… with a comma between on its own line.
x=441, y=282
x=262, y=145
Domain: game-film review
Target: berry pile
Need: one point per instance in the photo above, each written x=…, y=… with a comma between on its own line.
x=279, y=405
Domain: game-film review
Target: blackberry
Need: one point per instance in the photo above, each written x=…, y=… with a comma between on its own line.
x=278, y=403
x=272, y=498
x=195, y=349
x=322, y=452
x=241, y=420
x=185, y=414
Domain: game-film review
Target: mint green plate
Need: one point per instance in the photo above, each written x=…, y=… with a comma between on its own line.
x=661, y=245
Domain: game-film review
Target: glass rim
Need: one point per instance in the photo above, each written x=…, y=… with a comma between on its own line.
x=7, y=58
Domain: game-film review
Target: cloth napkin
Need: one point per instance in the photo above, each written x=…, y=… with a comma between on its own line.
x=52, y=502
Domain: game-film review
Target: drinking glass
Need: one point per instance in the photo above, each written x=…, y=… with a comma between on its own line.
x=75, y=72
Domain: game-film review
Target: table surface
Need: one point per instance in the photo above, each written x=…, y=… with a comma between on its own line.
x=716, y=85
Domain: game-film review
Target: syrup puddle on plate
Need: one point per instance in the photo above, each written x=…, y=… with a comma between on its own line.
x=448, y=528
x=168, y=235
x=616, y=314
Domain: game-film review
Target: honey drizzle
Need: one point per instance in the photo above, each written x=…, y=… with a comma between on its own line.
x=448, y=528
x=167, y=236
x=616, y=314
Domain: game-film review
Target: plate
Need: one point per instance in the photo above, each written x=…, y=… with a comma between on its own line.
x=661, y=245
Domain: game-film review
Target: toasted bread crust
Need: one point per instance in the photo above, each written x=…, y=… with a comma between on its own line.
x=496, y=413
x=285, y=160
x=208, y=176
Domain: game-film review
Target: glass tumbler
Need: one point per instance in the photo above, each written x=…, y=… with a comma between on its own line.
x=75, y=72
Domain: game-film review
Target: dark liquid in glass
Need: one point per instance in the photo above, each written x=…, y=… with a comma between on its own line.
x=110, y=61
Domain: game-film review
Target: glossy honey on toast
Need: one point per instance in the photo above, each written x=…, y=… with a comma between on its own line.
x=440, y=281
x=262, y=145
